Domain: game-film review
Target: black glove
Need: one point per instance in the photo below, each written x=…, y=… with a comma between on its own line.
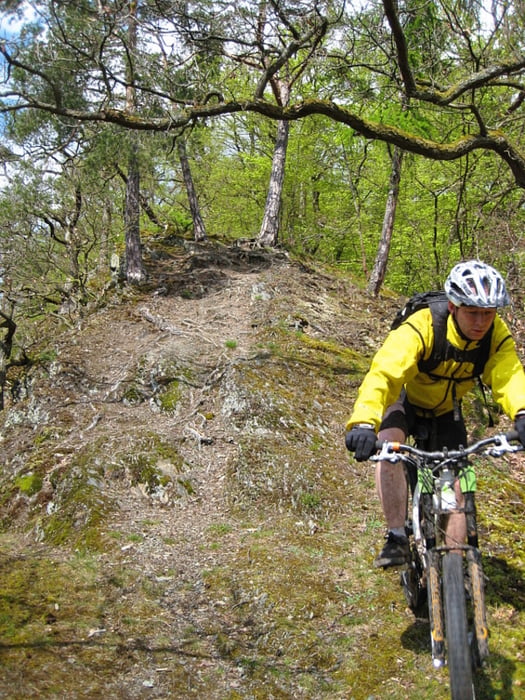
x=520, y=426
x=361, y=439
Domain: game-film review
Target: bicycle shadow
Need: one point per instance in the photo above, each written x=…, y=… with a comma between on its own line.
x=504, y=586
x=504, y=583
x=416, y=638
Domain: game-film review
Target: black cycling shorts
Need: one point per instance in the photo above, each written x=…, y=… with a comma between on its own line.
x=430, y=432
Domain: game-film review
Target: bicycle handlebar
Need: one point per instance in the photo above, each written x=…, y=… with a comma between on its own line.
x=495, y=446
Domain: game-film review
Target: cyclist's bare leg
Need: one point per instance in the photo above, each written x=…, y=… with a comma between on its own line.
x=456, y=524
x=391, y=483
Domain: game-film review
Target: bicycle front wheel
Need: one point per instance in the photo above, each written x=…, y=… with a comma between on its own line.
x=458, y=649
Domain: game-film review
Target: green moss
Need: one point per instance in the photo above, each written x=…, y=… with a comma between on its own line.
x=311, y=501
x=283, y=586
x=500, y=501
x=78, y=521
x=143, y=470
x=187, y=485
x=133, y=395
x=339, y=354
x=220, y=529
x=44, y=435
x=156, y=465
x=327, y=356
x=29, y=483
x=170, y=397
x=47, y=355
x=43, y=596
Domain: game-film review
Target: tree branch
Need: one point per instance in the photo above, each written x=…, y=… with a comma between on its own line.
x=298, y=42
x=493, y=140
x=390, y=7
x=420, y=89
x=32, y=70
x=482, y=78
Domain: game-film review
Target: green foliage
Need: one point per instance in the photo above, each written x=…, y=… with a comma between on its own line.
x=409, y=119
x=60, y=223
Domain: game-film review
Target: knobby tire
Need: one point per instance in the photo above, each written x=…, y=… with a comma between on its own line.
x=458, y=648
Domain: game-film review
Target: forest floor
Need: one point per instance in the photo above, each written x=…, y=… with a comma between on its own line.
x=181, y=519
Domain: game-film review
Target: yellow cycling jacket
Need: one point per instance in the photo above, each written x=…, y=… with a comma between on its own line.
x=395, y=366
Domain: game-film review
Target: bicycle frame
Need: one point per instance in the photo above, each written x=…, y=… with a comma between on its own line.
x=438, y=567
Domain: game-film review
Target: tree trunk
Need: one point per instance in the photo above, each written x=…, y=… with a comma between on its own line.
x=269, y=232
x=74, y=288
x=199, y=230
x=378, y=273
x=135, y=272
x=6, y=346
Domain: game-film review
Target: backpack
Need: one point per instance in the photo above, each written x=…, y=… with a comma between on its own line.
x=442, y=350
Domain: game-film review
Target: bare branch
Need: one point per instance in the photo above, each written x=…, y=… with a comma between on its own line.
x=390, y=7
x=299, y=41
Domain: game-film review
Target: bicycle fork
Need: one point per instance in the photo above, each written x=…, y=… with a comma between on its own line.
x=433, y=565
x=435, y=609
x=477, y=582
x=478, y=603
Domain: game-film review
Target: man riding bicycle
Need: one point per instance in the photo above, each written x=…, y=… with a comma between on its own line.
x=399, y=398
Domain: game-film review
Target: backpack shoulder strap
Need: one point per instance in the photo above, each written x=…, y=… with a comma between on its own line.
x=439, y=310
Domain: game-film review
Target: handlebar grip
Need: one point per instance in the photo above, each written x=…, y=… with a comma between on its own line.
x=512, y=435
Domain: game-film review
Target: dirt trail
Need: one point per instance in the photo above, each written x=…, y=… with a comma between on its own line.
x=196, y=323
x=188, y=434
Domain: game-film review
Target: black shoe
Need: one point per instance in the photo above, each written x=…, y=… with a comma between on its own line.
x=396, y=552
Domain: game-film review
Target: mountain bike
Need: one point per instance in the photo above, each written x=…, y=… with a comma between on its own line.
x=447, y=578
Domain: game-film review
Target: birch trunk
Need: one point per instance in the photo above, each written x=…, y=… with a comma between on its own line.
x=269, y=232
x=199, y=230
x=378, y=273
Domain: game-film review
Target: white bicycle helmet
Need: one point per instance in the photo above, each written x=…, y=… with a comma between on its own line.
x=474, y=283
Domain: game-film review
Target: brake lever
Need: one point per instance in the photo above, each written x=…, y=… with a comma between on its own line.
x=502, y=447
x=386, y=454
